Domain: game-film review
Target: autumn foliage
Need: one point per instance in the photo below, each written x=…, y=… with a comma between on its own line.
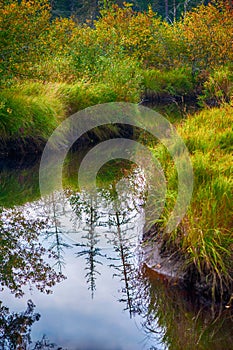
x=33, y=46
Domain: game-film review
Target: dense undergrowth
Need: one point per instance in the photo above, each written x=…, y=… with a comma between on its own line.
x=53, y=68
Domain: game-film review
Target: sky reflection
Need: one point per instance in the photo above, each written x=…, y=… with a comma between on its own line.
x=109, y=300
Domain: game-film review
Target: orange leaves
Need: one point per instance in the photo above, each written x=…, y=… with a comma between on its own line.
x=208, y=34
x=133, y=33
x=21, y=24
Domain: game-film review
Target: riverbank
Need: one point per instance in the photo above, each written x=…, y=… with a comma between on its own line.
x=202, y=243
x=70, y=66
x=199, y=252
x=30, y=112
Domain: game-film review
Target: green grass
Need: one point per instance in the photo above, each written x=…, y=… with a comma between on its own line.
x=176, y=82
x=28, y=110
x=34, y=110
x=205, y=236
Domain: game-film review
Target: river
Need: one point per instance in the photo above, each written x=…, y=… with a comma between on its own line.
x=73, y=275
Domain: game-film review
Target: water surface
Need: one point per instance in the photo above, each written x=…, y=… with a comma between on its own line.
x=86, y=249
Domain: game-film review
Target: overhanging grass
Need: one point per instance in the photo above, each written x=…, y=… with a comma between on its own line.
x=34, y=110
x=28, y=110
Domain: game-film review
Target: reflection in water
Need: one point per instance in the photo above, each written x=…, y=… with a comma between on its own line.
x=90, y=237
x=18, y=185
x=15, y=330
x=186, y=324
x=109, y=223
x=22, y=256
x=102, y=232
x=123, y=267
x=55, y=209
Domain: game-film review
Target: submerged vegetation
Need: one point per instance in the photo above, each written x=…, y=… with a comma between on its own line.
x=51, y=68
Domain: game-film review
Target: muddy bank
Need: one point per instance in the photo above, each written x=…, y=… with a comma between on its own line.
x=163, y=98
x=171, y=264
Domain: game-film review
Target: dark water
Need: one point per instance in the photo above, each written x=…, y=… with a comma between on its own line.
x=86, y=249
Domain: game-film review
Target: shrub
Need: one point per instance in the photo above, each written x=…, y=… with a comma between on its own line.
x=219, y=87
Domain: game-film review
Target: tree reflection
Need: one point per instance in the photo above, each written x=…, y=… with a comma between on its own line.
x=123, y=264
x=168, y=313
x=22, y=257
x=86, y=208
x=109, y=221
x=15, y=330
x=55, y=210
x=45, y=344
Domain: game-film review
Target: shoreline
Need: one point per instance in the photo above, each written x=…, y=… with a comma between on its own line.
x=169, y=265
x=199, y=254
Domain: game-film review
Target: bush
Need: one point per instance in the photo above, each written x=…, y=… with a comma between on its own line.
x=219, y=87
x=123, y=76
x=207, y=32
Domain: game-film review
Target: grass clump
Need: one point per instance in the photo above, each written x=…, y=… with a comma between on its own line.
x=78, y=96
x=34, y=110
x=26, y=115
x=205, y=237
x=218, y=88
x=176, y=82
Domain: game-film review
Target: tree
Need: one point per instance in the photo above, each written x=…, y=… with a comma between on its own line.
x=208, y=36
x=21, y=26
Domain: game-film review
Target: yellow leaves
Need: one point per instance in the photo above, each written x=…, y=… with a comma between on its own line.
x=151, y=13
x=208, y=33
x=137, y=34
x=127, y=4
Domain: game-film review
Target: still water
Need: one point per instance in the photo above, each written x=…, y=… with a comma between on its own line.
x=73, y=275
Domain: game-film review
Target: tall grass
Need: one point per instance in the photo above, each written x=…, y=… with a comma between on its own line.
x=176, y=82
x=205, y=236
x=35, y=109
x=28, y=110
